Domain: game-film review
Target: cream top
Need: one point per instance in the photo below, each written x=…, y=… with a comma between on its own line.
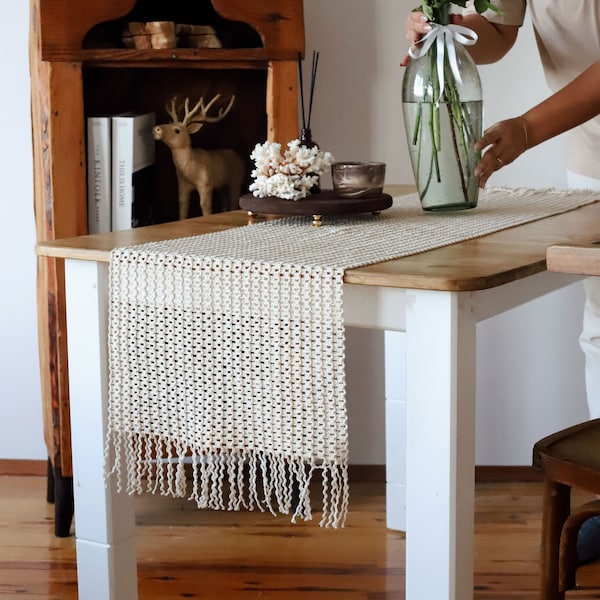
x=568, y=38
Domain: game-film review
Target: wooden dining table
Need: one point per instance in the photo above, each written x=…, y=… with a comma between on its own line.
x=439, y=295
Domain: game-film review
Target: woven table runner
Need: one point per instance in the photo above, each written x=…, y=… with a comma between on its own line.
x=228, y=349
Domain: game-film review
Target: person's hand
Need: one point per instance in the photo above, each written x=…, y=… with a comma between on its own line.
x=416, y=26
x=501, y=143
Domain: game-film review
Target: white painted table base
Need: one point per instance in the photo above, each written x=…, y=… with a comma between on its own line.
x=440, y=397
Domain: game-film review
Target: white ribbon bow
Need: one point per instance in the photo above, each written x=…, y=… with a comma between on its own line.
x=444, y=36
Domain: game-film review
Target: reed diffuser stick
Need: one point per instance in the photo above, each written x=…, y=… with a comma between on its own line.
x=313, y=79
x=301, y=80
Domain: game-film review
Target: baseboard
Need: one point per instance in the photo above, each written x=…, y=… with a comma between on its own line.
x=483, y=473
x=366, y=472
x=495, y=473
x=10, y=466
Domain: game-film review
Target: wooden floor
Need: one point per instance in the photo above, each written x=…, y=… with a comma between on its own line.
x=186, y=553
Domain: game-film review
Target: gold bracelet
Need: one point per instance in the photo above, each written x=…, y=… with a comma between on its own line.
x=524, y=124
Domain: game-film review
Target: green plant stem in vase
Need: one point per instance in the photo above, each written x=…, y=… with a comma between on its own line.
x=442, y=106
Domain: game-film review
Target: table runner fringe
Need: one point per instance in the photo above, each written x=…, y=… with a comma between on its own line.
x=233, y=481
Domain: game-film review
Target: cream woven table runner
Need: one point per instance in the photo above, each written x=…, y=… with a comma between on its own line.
x=228, y=348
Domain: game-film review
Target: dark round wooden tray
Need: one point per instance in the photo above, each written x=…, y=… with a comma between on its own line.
x=316, y=205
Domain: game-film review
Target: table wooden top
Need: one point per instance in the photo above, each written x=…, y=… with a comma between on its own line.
x=482, y=263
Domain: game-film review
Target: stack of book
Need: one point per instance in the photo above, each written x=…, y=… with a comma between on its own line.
x=121, y=157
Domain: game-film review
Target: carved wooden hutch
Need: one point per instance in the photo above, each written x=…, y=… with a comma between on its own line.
x=80, y=67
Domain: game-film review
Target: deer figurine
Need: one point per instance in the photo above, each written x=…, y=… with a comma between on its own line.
x=197, y=168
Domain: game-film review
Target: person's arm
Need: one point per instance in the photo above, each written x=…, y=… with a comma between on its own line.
x=574, y=104
x=494, y=40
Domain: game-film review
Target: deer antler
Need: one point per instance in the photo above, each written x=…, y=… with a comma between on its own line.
x=190, y=115
x=203, y=116
x=172, y=110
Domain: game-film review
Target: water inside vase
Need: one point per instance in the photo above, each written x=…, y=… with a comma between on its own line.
x=441, y=139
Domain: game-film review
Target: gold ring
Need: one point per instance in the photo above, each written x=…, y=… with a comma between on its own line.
x=499, y=160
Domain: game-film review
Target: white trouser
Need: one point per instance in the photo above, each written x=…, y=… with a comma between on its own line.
x=589, y=340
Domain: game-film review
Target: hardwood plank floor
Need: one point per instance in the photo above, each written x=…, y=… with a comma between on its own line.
x=186, y=553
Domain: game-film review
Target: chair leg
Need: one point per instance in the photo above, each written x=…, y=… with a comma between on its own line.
x=63, y=504
x=557, y=506
x=569, y=560
x=50, y=483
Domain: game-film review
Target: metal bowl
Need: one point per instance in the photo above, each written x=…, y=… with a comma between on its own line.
x=358, y=179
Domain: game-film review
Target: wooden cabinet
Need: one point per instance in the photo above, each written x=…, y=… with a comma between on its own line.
x=80, y=66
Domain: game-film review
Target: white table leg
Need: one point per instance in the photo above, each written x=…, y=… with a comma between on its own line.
x=440, y=355
x=395, y=429
x=104, y=520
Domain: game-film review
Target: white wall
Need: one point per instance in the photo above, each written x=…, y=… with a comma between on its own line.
x=356, y=115
x=21, y=422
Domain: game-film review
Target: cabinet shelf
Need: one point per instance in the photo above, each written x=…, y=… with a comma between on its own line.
x=205, y=58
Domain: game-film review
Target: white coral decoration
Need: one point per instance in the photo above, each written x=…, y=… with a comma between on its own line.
x=290, y=176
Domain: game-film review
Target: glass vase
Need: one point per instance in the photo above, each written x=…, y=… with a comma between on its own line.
x=443, y=117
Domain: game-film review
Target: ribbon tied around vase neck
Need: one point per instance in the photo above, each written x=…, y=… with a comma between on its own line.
x=444, y=36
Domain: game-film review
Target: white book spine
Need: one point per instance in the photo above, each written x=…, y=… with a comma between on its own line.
x=133, y=149
x=122, y=164
x=99, y=174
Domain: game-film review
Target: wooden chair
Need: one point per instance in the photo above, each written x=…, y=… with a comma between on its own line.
x=568, y=459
